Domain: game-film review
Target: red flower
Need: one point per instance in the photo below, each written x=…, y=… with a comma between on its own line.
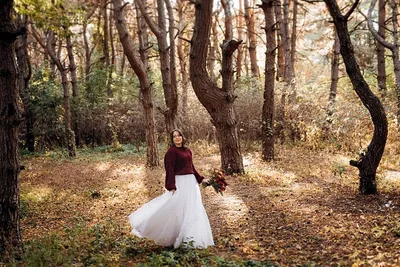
x=217, y=181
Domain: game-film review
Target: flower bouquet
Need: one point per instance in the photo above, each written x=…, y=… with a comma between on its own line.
x=217, y=181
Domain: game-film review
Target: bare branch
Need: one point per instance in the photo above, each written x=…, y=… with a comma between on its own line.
x=154, y=28
x=374, y=32
x=346, y=17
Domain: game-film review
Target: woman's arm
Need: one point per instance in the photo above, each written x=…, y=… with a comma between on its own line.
x=169, y=164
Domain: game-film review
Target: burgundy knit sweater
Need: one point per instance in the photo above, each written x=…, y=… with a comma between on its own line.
x=178, y=161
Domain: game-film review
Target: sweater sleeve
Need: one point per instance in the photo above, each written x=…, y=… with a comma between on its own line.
x=199, y=177
x=169, y=164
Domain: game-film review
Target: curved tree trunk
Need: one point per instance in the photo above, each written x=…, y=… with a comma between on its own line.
x=267, y=127
x=218, y=102
x=10, y=235
x=145, y=85
x=368, y=162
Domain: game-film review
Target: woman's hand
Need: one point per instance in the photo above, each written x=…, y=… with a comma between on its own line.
x=173, y=191
x=206, y=181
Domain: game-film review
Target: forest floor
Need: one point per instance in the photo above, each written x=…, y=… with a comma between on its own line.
x=302, y=209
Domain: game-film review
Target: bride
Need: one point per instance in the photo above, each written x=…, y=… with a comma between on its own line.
x=177, y=217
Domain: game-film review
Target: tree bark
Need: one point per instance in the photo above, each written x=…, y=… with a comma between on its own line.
x=218, y=102
x=145, y=85
x=369, y=161
x=251, y=35
x=333, y=88
x=226, y=4
x=74, y=83
x=10, y=235
x=279, y=36
x=334, y=77
x=106, y=50
x=25, y=72
x=212, y=56
x=267, y=127
x=239, y=58
x=169, y=82
x=182, y=52
x=288, y=74
x=294, y=37
x=393, y=47
x=88, y=51
x=380, y=51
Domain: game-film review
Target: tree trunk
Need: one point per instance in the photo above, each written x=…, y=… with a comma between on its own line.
x=334, y=77
x=368, y=162
x=239, y=58
x=288, y=74
x=172, y=63
x=69, y=133
x=182, y=52
x=88, y=52
x=380, y=51
x=279, y=37
x=226, y=4
x=251, y=35
x=333, y=88
x=218, y=102
x=106, y=50
x=25, y=73
x=74, y=83
x=212, y=56
x=267, y=127
x=145, y=85
x=283, y=45
x=10, y=235
x=394, y=48
x=294, y=37
x=169, y=86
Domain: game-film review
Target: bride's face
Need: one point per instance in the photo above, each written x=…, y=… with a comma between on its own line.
x=177, y=138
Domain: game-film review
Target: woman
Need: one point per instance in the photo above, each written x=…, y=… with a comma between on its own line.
x=177, y=217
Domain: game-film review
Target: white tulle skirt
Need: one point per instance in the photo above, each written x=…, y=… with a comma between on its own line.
x=175, y=219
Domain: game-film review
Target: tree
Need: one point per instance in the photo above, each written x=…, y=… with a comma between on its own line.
x=279, y=36
x=167, y=61
x=239, y=58
x=10, y=110
x=267, y=127
x=182, y=52
x=334, y=83
x=25, y=70
x=393, y=47
x=145, y=84
x=368, y=161
x=251, y=36
x=106, y=48
x=380, y=49
x=55, y=58
x=219, y=102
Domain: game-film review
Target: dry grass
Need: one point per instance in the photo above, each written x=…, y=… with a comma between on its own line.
x=300, y=209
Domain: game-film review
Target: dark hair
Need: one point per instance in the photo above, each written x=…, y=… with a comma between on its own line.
x=171, y=144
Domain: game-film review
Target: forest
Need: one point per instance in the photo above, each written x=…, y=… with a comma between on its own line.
x=295, y=102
